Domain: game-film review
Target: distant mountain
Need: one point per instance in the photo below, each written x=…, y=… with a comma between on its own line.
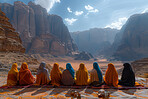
x=132, y=43
x=9, y=39
x=94, y=40
x=39, y=31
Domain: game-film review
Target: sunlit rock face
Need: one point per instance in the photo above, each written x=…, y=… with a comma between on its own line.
x=9, y=39
x=33, y=22
x=134, y=37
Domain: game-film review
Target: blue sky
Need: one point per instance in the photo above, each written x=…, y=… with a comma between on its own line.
x=81, y=15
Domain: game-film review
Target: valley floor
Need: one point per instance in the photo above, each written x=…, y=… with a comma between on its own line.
x=43, y=92
x=62, y=93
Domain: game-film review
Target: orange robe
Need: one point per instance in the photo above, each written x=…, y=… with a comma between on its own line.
x=82, y=75
x=13, y=76
x=111, y=76
x=25, y=76
x=42, y=76
x=56, y=75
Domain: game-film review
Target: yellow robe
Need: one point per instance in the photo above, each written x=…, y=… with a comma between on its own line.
x=111, y=76
x=56, y=75
x=93, y=76
x=82, y=75
x=13, y=76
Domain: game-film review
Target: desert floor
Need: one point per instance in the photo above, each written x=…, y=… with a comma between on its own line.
x=45, y=93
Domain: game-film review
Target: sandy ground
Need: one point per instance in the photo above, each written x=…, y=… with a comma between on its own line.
x=62, y=93
x=46, y=93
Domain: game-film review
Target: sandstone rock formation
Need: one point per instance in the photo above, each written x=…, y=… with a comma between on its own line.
x=83, y=56
x=9, y=39
x=94, y=40
x=133, y=43
x=32, y=22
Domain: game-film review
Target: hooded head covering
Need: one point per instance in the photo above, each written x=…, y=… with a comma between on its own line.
x=25, y=76
x=24, y=67
x=128, y=76
x=14, y=68
x=42, y=75
x=70, y=69
x=41, y=68
x=56, y=75
x=13, y=75
x=111, y=76
x=82, y=75
x=97, y=68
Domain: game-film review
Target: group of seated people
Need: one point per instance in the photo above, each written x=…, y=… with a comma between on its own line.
x=68, y=76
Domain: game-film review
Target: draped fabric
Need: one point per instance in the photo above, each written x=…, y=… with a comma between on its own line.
x=82, y=75
x=128, y=76
x=111, y=76
x=42, y=76
x=13, y=76
x=93, y=76
x=97, y=68
x=67, y=78
x=25, y=76
x=70, y=69
x=56, y=75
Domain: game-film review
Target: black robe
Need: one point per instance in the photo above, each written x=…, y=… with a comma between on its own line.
x=128, y=76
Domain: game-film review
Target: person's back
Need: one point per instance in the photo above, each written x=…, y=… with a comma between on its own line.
x=82, y=75
x=128, y=76
x=56, y=75
x=93, y=76
x=111, y=76
x=42, y=75
x=96, y=78
x=25, y=76
x=67, y=79
x=13, y=76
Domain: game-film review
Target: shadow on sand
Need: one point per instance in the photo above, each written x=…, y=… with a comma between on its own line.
x=129, y=91
x=25, y=90
x=8, y=90
x=41, y=90
x=57, y=91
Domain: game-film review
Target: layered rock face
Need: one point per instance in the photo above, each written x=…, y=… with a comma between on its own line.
x=9, y=39
x=35, y=25
x=133, y=43
x=94, y=40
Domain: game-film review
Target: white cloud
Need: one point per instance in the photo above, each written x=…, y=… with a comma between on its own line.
x=77, y=13
x=145, y=10
x=88, y=7
x=48, y=4
x=118, y=24
x=91, y=9
x=70, y=21
x=69, y=10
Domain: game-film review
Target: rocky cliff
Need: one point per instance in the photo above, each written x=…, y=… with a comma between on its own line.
x=94, y=40
x=9, y=39
x=133, y=43
x=35, y=25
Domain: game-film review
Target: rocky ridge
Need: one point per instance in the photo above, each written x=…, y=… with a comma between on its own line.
x=94, y=40
x=132, y=44
x=9, y=39
x=34, y=25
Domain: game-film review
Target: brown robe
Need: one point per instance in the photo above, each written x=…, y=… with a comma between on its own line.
x=67, y=78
